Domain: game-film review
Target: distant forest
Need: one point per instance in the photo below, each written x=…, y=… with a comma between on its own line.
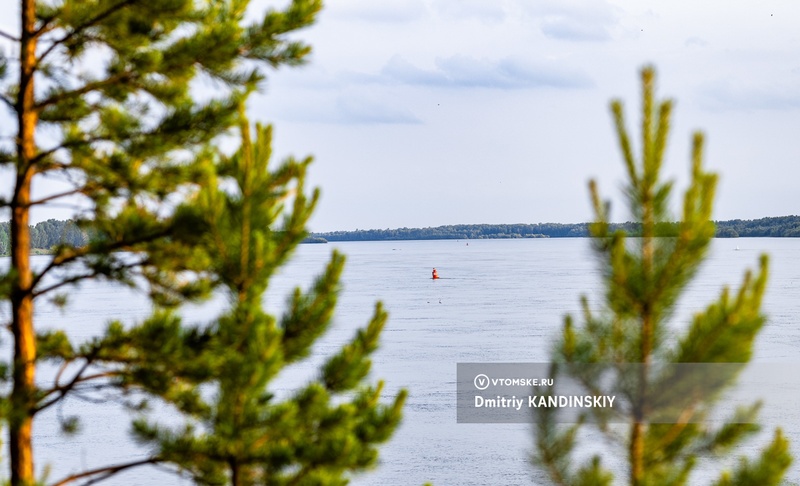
x=47, y=234
x=784, y=226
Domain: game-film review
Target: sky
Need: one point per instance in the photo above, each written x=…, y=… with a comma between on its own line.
x=433, y=112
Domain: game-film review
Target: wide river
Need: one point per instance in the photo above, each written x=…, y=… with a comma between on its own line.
x=497, y=301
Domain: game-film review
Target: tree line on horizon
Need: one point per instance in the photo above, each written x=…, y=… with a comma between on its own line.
x=782, y=226
x=48, y=234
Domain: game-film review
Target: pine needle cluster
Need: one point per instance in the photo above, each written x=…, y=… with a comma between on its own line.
x=633, y=352
x=122, y=103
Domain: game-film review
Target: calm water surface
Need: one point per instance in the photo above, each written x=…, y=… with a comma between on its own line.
x=497, y=301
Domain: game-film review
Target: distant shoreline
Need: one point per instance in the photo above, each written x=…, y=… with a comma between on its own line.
x=774, y=227
x=47, y=234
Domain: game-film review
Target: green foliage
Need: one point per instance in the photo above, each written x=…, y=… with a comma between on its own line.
x=130, y=125
x=238, y=432
x=783, y=226
x=643, y=277
x=121, y=90
x=769, y=468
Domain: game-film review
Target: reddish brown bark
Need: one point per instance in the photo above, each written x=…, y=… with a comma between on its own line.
x=22, y=395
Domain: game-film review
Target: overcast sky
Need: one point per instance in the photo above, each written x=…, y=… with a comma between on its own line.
x=432, y=112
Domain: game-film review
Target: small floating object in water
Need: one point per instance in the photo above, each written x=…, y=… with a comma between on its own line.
x=434, y=274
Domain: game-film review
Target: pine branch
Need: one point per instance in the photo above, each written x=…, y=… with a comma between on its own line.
x=66, y=145
x=624, y=141
x=103, y=400
x=47, y=26
x=80, y=277
x=767, y=470
x=8, y=102
x=53, y=197
x=74, y=254
x=172, y=249
x=643, y=281
x=9, y=36
x=77, y=30
x=62, y=259
x=87, y=88
x=675, y=430
x=63, y=390
x=61, y=371
x=77, y=379
x=106, y=472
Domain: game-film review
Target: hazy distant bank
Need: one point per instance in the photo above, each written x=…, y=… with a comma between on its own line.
x=47, y=234
x=783, y=226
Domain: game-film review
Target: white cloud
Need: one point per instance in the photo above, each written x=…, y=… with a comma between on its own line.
x=347, y=109
x=467, y=72
x=725, y=96
x=389, y=11
x=535, y=69
x=575, y=20
x=358, y=110
x=486, y=11
x=570, y=28
x=695, y=41
x=400, y=70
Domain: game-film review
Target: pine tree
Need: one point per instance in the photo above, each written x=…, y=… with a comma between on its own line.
x=643, y=278
x=106, y=95
x=239, y=433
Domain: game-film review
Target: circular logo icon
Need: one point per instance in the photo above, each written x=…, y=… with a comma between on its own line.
x=481, y=382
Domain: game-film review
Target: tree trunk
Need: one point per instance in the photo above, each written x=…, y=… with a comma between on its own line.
x=641, y=408
x=234, y=472
x=23, y=392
